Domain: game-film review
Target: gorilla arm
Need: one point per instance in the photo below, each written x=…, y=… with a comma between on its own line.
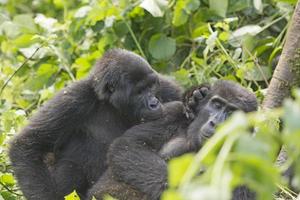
x=175, y=147
x=134, y=159
x=50, y=126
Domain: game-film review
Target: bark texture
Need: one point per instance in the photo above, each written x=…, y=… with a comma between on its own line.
x=287, y=72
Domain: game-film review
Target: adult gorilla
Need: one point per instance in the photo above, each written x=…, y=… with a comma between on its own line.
x=80, y=122
x=137, y=160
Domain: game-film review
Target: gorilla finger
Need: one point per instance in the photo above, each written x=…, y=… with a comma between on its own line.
x=192, y=103
x=197, y=95
x=200, y=93
x=204, y=91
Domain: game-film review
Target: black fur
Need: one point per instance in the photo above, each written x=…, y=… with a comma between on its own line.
x=137, y=160
x=63, y=148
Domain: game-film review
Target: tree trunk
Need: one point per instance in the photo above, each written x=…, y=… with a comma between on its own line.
x=287, y=72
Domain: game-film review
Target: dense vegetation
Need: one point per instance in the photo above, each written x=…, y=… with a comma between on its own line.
x=47, y=44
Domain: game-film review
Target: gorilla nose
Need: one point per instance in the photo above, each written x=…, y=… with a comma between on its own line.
x=153, y=103
x=212, y=123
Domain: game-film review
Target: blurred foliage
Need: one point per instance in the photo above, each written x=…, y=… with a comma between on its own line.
x=236, y=155
x=47, y=44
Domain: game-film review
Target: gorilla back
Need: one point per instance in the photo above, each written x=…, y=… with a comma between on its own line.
x=76, y=127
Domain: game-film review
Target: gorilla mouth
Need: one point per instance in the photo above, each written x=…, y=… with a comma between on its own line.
x=206, y=133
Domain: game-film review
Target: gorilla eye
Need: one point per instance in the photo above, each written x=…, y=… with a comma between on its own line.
x=217, y=104
x=229, y=113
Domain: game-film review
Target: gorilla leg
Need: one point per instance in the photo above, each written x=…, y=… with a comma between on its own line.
x=67, y=175
x=107, y=185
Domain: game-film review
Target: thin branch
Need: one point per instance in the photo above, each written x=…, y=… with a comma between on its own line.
x=9, y=190
x=135, y=40
x=19, y=68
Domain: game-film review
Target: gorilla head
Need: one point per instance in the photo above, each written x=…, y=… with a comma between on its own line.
x=221, y=100
x=129, y=84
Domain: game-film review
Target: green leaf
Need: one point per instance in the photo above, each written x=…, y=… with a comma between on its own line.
x=26, y=23
x=250, y=71
x=46, y=23
x=162, y=47
x=182, y=76
x=82, y=66
x=288, y=1
x=106, y=197
x=180, y=16
x=6, y=195
x=72, y=196
x=182, y=10
x=157, y=8
x=291, y=116
x=249, y=29
x=258, y=5
x=240, y=34
x=177, y=168
x=24, y=40
x=10, y=29
x=219, y=7
x=238, y=5
x=171, y=195
x=82, y=12
x=7, y=179
x=44, y=73
x=201, y=30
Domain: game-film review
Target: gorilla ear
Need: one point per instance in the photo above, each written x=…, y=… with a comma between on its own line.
x=103, y=89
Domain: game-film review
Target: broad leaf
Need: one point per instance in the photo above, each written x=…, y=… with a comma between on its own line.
x=155, y=7
x=219, y=6
x=162, y=47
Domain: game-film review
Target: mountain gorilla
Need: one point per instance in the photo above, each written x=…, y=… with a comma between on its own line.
x=76, y=127
x=137, y=160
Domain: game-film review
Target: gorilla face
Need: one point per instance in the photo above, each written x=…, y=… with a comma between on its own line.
x=215, y=111
x=129, y=84
x=222, y=100
x=144, y=100
x=137, y=95
x=218, y=110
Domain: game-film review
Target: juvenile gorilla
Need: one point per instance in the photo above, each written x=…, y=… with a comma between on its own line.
x=137, y=160
x=77, y=126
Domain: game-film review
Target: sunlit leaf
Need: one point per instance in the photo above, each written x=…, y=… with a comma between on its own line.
x=7, y=179
x=288, y=1
x=10, y=29
x=24, y=40
x=258, y=5
x=82, y=12
x=249, y=29
x=177, y=168
x=72, y=196
x=46, y=22
x=183, y=9
x=25, y=23
x=155, y=7
x=171, y=195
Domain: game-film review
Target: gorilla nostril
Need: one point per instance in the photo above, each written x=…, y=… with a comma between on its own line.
x=212, y=123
